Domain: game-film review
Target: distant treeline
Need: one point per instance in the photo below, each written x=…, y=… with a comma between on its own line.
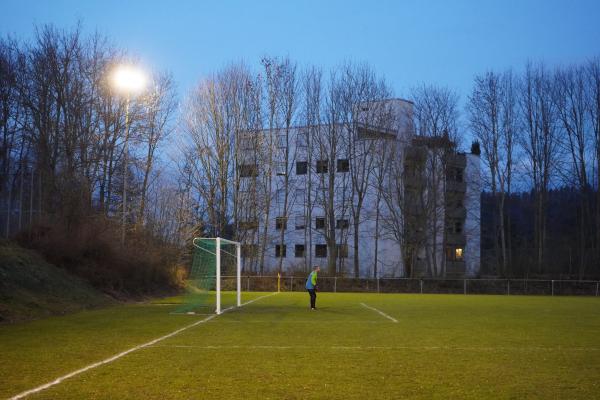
x=540, y=134
x=562, y=255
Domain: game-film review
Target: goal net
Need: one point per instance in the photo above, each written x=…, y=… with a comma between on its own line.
x=214, y=280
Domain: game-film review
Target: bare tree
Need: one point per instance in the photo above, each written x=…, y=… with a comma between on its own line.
x=435, y=117
x=160, y=102
x=311, y=110
x=593, y=79
x=365, y=118
x=571, y=96
x=282, y=103
x=540, y=144
x=493, y=119
x=331, y=192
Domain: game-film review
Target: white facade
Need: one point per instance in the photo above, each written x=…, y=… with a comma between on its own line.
x=321, y=158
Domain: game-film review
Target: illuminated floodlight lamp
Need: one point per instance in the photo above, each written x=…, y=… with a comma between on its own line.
x=128, y=79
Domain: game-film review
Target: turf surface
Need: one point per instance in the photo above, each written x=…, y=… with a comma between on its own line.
x=443, y=346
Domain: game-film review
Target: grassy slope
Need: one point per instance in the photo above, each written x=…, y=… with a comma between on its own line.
x=31, y=288
x=444, y=346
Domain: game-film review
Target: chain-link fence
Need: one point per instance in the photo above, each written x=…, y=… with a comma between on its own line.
x=425, y=286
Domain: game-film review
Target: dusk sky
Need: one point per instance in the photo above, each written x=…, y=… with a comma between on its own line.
x=409, y=42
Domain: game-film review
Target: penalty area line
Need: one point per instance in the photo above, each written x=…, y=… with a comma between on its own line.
x=123, y=353
x=380, y=312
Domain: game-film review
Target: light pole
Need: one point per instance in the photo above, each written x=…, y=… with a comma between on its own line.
x=130, y=81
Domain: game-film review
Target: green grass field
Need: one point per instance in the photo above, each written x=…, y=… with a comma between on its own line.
x=442, y=346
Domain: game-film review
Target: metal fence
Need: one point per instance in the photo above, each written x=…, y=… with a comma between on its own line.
x=423, y=286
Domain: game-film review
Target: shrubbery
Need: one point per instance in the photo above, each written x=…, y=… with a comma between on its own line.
x=92, y=249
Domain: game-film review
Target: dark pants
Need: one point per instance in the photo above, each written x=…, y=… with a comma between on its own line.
x=313, y=297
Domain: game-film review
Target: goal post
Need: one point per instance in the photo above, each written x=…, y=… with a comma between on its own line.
x=215, y=269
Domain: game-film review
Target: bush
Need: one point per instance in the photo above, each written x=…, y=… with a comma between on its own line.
x=93, y=251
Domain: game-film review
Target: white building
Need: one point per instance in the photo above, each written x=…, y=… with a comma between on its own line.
x=323, y=185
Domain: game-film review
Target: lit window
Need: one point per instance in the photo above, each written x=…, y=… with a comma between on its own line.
x=454, y=254
x=458, y=253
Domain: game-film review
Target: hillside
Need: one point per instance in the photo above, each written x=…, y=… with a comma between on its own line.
x=32, y=288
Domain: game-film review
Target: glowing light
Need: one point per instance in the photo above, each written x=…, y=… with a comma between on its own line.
x=129, y=79
x=459, y=253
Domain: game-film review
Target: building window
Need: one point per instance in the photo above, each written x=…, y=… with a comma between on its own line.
x=302, y=140
x=281, y=223
x=410, y=170
x=249, y=250
x=300, y=194
x=246, y=143
x=280, y=251
x=300, y=222
x=248, y=224
x=320, y=250
x=322, y=166
x=342, y=223
x=320, y=223
x=301, y=167
x=299, y=251
x=455, y=227
x=455, y=174
x=280, y=168
x=281, y=142
x=459, y=175
x=454, y=254
x=343, y=165
x=342, y=250
x=280, y=195
x=244, y=198
x=458, y=227
x=247, y=170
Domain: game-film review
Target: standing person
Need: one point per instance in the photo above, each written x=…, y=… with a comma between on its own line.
x=311, y=286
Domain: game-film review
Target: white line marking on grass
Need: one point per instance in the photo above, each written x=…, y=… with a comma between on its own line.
x=184, y=346
x=436, y=348
x=123, y=353
x=258, y=298
x=307, y=322
x=380, y=312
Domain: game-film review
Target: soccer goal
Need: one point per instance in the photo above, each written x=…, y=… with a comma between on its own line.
x=215, y=271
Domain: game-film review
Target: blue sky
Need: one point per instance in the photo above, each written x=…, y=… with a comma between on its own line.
x=410, y=42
